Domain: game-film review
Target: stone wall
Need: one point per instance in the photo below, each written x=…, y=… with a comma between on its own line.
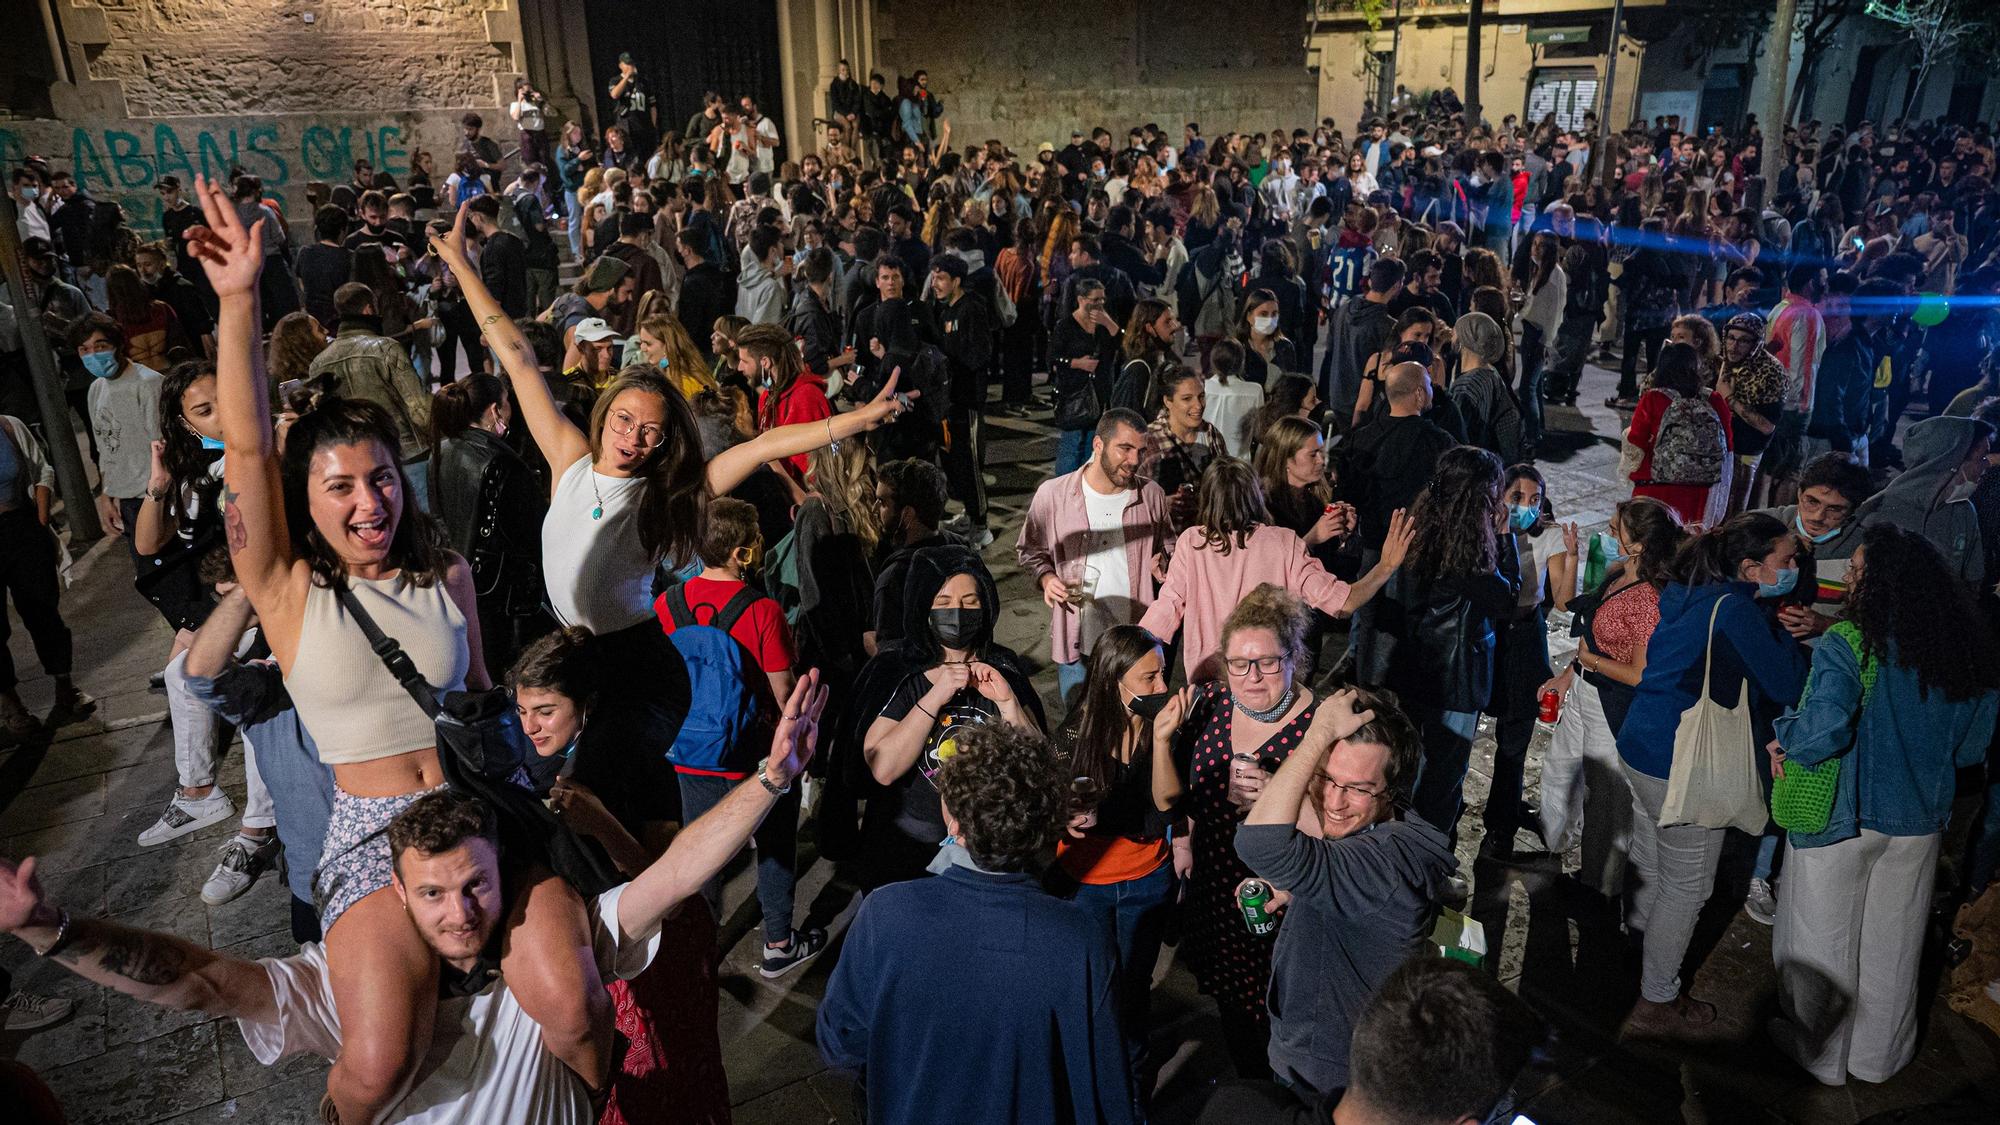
x=1029, y=71
x=293, y=91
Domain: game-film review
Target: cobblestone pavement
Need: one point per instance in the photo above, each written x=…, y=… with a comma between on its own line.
x=80, y=801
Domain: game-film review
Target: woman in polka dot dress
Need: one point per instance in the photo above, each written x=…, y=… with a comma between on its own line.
x=1225, y=738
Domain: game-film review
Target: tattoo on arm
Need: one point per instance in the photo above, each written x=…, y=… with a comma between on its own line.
x=232, y=522
x=141, y=957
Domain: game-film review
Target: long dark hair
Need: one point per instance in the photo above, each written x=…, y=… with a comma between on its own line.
x=1101, y=718
x=457, y=406
x=186, y=461
x=1455, y=537
x=1679, y=370
x=1912, y=611
x=1229, y=504
x=417, y=546
x=675, y=496
x=1286, y=395
x=1655, y=526
x=1717, y=555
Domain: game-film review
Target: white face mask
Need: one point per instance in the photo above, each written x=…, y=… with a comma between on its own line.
x=1264, y=325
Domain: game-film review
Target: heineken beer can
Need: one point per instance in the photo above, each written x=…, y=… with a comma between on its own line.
x=1253, y=899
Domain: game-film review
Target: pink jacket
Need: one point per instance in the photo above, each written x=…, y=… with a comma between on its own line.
x=1056, y=516
x=1203, y=585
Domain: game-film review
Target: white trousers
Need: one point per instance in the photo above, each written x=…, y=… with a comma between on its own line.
x=1584, y=792
x=1848, y=940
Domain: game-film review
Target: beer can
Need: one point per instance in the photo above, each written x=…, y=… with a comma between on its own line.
x=1253, y=899
x=1551, y=706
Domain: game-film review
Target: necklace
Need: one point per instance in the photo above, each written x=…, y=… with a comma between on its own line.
x=1277, y=711
x=596, y=513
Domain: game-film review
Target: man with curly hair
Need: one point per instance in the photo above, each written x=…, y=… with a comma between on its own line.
x=974, y=996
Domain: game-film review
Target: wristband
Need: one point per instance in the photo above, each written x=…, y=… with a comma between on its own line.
x=62, y=936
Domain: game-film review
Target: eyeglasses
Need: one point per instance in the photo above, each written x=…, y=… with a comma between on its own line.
x=623, y=423
x=1361, y=791
x=1268, y=665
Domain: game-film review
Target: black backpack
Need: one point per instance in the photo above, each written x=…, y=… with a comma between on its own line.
x=483, y=751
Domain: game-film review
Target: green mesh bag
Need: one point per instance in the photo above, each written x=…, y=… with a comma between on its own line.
x=1802, y=799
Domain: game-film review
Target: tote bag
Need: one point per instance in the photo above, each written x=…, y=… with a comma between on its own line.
x=1713, y=781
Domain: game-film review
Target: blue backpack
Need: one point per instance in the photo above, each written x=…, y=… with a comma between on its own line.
x=723, y=706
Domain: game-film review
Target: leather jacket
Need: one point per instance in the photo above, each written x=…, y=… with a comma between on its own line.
x=491, y=505
x=1432, y=642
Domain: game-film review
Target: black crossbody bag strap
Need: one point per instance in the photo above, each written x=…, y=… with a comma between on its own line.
x=389, y=652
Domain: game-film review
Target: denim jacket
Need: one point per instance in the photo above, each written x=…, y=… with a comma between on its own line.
x=1899, y=750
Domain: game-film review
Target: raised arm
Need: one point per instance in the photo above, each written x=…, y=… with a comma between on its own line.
x=561, y=443
x=154, y=967
x=253, y=505
x=701, y=849
x=734, y=465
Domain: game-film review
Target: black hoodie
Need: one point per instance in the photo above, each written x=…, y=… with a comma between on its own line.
x=891, y=683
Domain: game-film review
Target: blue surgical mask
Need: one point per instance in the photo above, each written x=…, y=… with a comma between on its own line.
x=103, y=365
x=1523, y=516
x=30, y=194
x=214, y=443
x=1809, y=536
x=1787, y=579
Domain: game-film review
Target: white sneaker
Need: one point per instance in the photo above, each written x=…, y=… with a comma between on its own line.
x=186, y=814
x=243, y=859
x=29, y=1012
x=1761, y=903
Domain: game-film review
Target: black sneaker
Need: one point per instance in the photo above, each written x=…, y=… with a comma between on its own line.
x=805, y=945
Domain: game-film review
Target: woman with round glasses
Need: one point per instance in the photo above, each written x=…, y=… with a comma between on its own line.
x=1225, y=738
x=631, y=493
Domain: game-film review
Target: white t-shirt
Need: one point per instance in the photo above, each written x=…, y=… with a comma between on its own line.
x=1233, y=410
x=597, y=573
x=486, y=1061
x=1110, y=601
x=767, y=152
x=1535, y=551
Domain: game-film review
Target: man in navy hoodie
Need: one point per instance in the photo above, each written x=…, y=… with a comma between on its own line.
x=974, y=996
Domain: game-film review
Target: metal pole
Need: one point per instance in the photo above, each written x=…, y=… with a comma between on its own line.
x=1474, y=31
x=79, y=504
x=1395, y=56
x=1603, y=141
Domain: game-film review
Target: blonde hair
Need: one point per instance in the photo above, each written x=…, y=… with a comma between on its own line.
x=844, y=476
x=1268, y=607
x=684, y=363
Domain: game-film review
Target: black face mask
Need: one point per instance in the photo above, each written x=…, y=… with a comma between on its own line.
x=957, y=628
x=1148, y=706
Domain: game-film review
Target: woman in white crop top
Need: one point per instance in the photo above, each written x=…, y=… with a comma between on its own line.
x=632, y=492
x=348, y=521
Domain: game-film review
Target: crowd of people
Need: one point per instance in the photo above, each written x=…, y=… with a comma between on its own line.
x=536, y=606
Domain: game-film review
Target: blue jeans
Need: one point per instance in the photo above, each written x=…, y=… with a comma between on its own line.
x=1072, y=450
x=777, y=842
x=1533, y=352
x=1068, y=676
x=418, y=473
x=1134, y=913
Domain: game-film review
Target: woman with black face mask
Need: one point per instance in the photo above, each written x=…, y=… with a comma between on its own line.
x=1116, y=851
x=946, y=673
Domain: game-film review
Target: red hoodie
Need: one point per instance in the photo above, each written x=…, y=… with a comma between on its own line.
x=804, y=402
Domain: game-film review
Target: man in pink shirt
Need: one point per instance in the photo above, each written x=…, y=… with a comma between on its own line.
x=1797, y=337
x=1094, y=542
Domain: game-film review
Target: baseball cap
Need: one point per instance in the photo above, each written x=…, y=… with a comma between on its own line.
x=625, y=56
x=170, y=182
x=37, y=247
x=591, y=330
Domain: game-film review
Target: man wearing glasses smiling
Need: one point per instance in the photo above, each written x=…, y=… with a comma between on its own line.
x=1360, y=879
